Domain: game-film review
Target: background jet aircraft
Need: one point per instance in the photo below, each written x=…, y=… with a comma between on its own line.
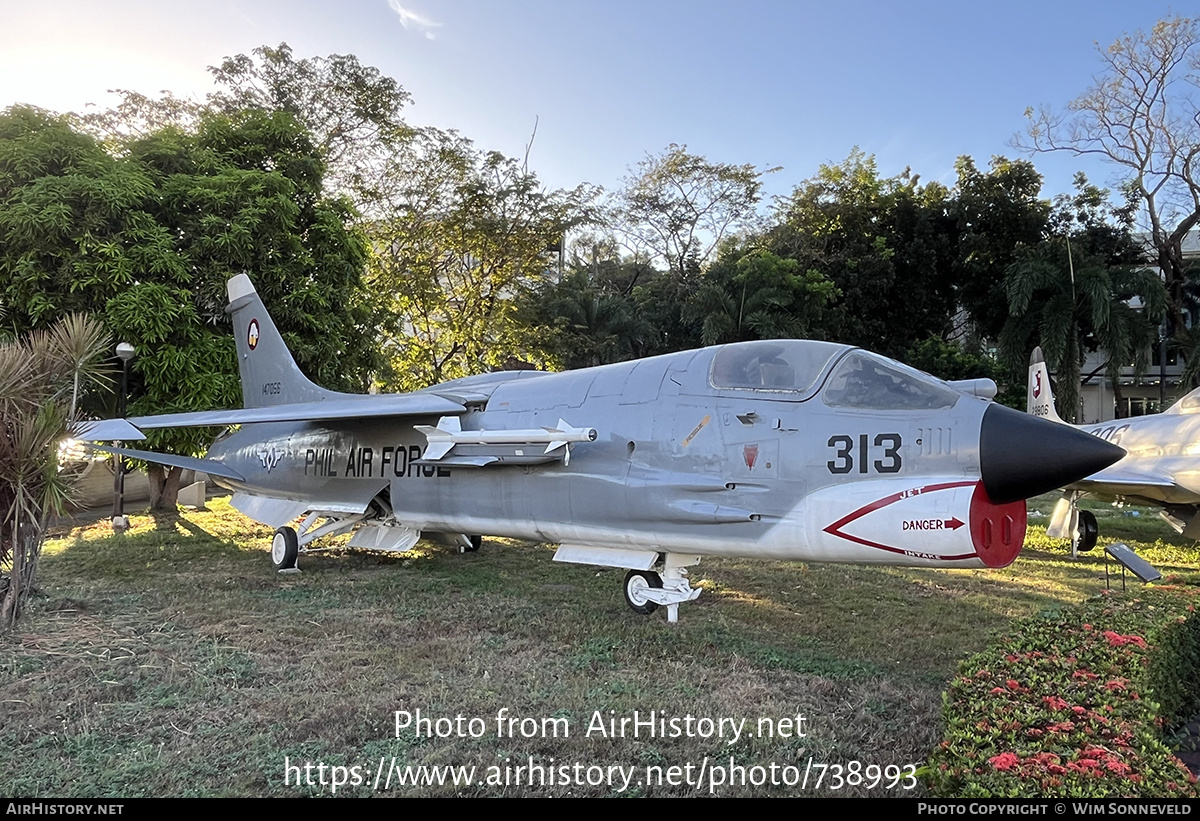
x=1161, y=467
x=783, y=449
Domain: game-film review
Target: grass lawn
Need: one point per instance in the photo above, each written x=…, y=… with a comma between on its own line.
x=174, y=661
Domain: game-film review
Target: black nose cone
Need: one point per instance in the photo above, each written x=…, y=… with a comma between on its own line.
x=1021, y=455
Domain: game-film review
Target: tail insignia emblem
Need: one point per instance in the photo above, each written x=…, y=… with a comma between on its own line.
x=252, y=334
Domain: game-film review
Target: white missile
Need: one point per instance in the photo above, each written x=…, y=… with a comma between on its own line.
x=449, y=433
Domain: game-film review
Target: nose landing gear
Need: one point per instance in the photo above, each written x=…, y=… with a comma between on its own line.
x=667, y=584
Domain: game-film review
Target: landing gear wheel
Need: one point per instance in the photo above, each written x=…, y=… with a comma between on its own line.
x=637, y=582
x=1089, y=531
x=468, y=544
x=285, y=547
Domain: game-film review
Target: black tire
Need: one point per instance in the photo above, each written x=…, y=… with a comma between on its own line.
x=637, y=582
x=285, y=547
x=470, y=545
x=1089, y=531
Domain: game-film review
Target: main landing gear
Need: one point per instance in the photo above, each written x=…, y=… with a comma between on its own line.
x=285, y=548
x=1069, y=522
x=1088, y=531
x=376, y=529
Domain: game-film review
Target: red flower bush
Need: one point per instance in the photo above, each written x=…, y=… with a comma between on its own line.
x=1082, y=705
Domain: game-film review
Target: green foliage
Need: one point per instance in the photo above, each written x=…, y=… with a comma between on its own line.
x=352, y=111
x=1073, y=703
x=886, y=244
x=678, y=206
x=458, y=236
x=996, y=213
x=1072, y=293
x=952, y=361
x=150, y=238
x=578, y=322
x=754, y=294
x=70, y=214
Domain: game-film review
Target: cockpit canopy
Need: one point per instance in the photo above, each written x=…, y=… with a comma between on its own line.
x=796, y=370
x=1188, y=404
x=791, y=365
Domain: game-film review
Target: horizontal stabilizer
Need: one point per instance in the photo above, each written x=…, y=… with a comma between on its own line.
x=108, y=430
x=185, y=462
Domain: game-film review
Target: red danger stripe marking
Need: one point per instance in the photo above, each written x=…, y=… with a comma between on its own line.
x=835, y=529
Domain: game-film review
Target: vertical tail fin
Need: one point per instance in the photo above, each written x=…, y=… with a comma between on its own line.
x=269, y=374
x=1040, y=397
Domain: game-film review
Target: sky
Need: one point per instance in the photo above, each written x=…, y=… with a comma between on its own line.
x=772, y=83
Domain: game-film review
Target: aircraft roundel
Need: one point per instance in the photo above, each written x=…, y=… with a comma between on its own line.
x=252, y=334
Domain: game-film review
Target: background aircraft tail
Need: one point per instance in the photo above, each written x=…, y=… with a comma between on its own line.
x=269, y=374
x=1040, y=397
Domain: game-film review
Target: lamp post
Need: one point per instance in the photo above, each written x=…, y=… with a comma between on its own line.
x=120, y=522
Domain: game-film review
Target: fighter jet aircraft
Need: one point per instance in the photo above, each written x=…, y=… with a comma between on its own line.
x=781, y=449
x=1161, y=468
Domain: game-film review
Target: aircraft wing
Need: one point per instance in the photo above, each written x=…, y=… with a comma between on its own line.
x=1123, y=482
x=358, y=407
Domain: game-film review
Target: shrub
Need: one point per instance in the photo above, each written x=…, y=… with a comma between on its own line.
x=1073, y=703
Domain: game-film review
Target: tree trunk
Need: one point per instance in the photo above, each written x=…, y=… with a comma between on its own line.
x=1118, y=399
x=1069, y=376
x=164, y=486
x=26, y=544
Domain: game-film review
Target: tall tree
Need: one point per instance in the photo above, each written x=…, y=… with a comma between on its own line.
x=1143, y=115
x=352, y=112
x=887, y=244
x=995, y=213
x=678, y=207
x=457, y=234
x=753, y=294
x=1075, y=292
x=42, y=377
x=148, y=240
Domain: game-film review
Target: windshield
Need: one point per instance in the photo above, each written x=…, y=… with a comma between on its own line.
x=864, y=380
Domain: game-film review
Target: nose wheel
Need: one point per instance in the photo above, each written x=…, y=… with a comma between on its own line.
x=666, y=586
x=638, y=584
